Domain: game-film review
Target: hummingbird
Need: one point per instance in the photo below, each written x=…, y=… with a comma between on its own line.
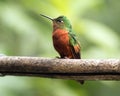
x=64, y=40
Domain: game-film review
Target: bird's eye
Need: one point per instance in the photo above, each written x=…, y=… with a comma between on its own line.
x=59, y=21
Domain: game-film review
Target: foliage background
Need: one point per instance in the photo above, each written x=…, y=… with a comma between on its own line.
x=23, y=32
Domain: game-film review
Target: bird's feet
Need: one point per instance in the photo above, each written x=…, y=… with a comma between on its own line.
x=62, y=57
x=66, y=57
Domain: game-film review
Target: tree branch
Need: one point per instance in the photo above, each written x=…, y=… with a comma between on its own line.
x=76, y=69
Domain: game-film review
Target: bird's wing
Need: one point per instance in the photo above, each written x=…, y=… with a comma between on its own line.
x=75, y=46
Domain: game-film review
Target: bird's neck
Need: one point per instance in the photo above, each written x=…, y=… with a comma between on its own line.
x=61, y=28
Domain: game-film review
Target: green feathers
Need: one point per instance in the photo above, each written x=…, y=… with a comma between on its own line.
x=75, y=46
x=64, y=23
x=73, y=40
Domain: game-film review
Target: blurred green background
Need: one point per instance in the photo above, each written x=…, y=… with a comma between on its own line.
x=23, y=32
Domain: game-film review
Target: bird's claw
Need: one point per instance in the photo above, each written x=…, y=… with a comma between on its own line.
x=61, y=57
x=66, y=57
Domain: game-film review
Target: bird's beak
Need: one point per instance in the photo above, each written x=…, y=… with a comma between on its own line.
x=46, y=17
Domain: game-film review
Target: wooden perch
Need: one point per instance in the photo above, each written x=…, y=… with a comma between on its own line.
x=76, y=69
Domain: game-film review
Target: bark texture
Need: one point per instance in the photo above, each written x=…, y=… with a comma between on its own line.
x=75, y=69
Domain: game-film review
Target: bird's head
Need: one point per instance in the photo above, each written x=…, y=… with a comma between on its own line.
x=60, y=22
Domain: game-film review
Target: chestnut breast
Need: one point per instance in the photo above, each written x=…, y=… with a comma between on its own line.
x=61, y=42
